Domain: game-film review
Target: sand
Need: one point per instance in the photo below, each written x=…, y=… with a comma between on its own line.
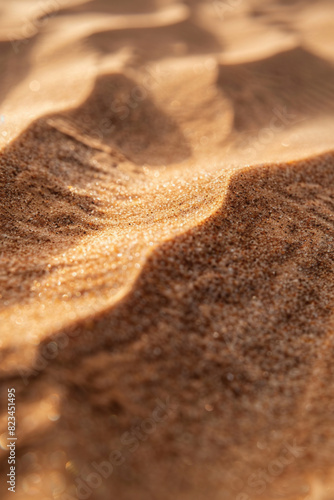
x=166, y=260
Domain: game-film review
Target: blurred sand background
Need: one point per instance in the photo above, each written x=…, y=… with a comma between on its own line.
x=167, y=225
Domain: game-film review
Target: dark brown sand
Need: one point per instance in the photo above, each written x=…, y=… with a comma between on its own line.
x=166, y=260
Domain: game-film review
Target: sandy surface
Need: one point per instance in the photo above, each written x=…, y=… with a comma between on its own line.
x=166, y=260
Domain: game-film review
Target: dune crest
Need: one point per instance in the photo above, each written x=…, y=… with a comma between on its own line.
x=166, y=251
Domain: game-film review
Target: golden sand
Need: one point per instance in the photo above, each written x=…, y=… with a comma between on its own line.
x=166, y=260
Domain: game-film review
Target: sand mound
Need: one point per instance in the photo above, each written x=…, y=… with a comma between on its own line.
x=259, y=88
x=166, y=270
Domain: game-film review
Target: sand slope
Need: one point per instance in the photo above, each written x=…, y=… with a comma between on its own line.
x=167, y=208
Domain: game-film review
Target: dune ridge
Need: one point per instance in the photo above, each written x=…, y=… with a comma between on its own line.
x=167, y=210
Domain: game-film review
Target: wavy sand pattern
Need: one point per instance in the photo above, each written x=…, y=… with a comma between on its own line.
x=166, y=260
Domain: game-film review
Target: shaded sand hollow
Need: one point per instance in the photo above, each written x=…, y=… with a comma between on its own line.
x=166, y=260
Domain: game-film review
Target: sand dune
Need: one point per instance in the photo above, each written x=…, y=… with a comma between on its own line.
x=166, y=270
x=119, y=107
x=257, y=88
